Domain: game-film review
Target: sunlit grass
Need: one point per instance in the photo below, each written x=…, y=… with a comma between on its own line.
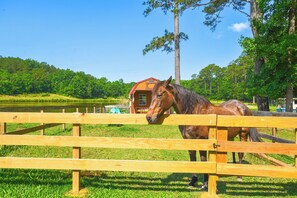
x=44, y=183
x=49, y=97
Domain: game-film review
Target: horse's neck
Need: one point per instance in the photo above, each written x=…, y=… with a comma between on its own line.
x=198, y=107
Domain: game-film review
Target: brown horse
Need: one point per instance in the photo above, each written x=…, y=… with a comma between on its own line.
x=165, y=95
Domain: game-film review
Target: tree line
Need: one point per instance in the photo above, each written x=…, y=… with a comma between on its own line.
x=224, y=83
x=18, y=76
x=235, y=81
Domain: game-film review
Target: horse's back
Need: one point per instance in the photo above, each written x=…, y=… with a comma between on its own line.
x=237, y=107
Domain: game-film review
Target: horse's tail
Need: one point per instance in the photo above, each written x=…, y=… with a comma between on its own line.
x=254, y=135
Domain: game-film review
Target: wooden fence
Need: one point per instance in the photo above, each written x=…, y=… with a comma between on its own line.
x=217, y=145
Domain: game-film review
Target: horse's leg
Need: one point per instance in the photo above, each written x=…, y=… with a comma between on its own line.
x=234, y=159
x=240, y=156
x=243, y=137
x=203, y=158
x=194, y=176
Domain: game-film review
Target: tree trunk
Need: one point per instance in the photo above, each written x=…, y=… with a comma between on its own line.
x=292, y=30
x=289, y=98
x=256, y=15
x=262, y=103
x=176, y=43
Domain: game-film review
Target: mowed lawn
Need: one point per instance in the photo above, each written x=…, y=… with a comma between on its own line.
x=52, y=183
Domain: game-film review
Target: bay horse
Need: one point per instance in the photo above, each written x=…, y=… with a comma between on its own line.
x=166, y=95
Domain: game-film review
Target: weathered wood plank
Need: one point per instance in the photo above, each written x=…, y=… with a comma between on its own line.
x=275, y=139
x=257, y=147
x=108, y=165
x=90, y=118
x=278, y=114
x=272, y=160
x=108, y=142
x=256, y=170
x=255, y=121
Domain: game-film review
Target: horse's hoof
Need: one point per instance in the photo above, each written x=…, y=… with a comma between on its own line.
x=239, y=179
x=204, y=188
x=193, y=182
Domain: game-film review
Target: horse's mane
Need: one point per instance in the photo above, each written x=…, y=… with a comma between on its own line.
x=189, y=100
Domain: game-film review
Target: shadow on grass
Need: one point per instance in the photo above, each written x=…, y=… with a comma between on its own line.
x=173, y=183
x=257, y=189
x=151, y=182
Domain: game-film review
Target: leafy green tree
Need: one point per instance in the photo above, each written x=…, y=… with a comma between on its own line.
x=210, y=76
x=5, y=83
x=19, y=76
x=276, y=42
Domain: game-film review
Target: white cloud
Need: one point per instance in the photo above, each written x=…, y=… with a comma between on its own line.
x=238, y=27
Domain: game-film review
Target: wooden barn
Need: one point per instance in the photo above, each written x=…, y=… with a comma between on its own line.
x=141, y=95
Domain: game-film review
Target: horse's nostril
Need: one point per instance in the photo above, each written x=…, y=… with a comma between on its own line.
x=149, y=118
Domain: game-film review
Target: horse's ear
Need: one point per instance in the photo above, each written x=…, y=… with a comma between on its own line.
x=167, y=82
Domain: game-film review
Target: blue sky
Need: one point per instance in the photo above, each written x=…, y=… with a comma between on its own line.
x=106, y=38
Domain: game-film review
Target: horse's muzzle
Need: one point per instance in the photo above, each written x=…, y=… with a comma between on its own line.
x=151, y=119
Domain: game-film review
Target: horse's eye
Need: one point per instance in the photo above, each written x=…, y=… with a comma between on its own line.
x=159, y=95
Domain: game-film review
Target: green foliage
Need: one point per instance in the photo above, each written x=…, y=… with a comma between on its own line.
x=166, y=41
x=277, y=46
x=213, y=10
x=19, y=76
x=231, y=82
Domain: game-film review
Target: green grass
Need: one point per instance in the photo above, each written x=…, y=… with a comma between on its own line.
x=47, y=97
x=45, y=183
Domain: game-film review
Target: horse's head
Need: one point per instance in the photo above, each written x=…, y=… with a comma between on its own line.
x=162, y=100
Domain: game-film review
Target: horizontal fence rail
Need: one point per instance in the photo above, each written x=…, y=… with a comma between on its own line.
x=217, y=145
x=257, y=121
x=108, y=165
x=252, y=147
x=257, y=170
x=108, y=142
x=89, y=118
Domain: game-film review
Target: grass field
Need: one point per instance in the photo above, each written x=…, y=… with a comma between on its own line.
x=47, y=97
x=45, y=183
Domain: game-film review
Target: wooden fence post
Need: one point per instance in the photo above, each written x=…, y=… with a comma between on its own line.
x=76, y=154
x=212, y=157
x=63, y=125
x=42, y=131
x=296, y=143
x=94, y=109
x=2, y=128
x=274, y=131
x=220, y=134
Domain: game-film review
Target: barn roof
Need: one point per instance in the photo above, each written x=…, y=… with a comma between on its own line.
x=134, y=88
